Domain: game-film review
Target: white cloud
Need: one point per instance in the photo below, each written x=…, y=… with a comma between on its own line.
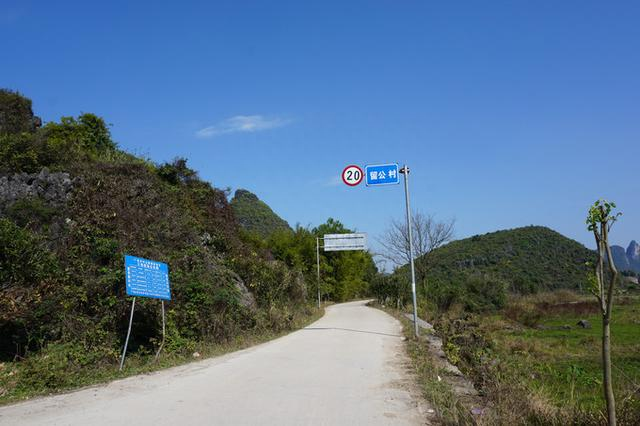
x=242, y=124
x=334, y=181
x=327, y=182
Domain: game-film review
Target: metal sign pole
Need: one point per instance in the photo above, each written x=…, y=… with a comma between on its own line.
x=163, y=332
x=405, y=172
x=318, y=266
x=126, y=342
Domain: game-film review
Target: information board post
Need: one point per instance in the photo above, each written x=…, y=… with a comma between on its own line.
x=126, y=342
x=163, y=333
x=146, y=278
x=405, y=171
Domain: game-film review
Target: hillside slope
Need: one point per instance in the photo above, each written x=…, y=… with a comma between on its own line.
x=528, y=259
x=72, y=205
x=255, y=215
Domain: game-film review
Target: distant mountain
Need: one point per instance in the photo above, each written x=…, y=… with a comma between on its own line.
x=255, y=215
x=629, y=259
x=528, y=259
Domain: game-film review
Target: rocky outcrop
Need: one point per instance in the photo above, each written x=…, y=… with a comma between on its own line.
x=620, y=258
x=629, y=259
x=53, y=188
x=633, y=251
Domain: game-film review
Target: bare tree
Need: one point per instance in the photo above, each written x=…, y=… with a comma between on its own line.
x=599, y=221
x=428, y=234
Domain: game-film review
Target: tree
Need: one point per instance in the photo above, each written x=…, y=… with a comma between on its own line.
x=16, y=115
x=344, y=275
x=177, y=172
x=427, y=233
x=599, y=221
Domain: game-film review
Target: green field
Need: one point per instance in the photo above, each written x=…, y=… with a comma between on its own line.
x=533, y=360
x=565, y=364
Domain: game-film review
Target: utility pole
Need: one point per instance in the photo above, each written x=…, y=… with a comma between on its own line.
x=405, y=171
x=318, y=266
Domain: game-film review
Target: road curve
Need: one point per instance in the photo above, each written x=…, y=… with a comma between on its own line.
x=348, y=368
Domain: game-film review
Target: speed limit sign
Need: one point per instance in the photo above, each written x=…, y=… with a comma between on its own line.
x=352, y=175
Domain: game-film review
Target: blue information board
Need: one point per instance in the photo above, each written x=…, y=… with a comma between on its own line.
x=382, y=174
x=147, y=278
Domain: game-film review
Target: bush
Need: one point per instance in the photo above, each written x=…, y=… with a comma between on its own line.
x=57, y=145
x=24, y=261
x=177, y=172
x=271, y=282
x=31, y=211
x=475, y=293
x=16, y=115
x=59, y=366
x=525, y=313
x=81, y=139
x=24, y=152
x=485, y=292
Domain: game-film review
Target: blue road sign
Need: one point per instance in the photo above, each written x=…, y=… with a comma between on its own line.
x=382, y=174
x=147, y=278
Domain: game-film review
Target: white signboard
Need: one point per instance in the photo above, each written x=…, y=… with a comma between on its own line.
x=340, y=242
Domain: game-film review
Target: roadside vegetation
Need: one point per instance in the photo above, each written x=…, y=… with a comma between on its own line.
x=72, y=204
x=528, y=336
x=536, y=365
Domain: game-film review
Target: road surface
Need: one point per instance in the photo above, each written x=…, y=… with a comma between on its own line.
x=348, y=368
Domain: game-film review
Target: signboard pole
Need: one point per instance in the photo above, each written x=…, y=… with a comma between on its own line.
x=405, y=171
x=318, y=266
x=163, y=332
x=126, y=342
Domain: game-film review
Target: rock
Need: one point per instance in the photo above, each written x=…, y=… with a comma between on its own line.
x=584, y=324
x=206, y=239
x=54, y=188
x=477, y=411
x=196, y=355
x=633, y=251
x=565, y=327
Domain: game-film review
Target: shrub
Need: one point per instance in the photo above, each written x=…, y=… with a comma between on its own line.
x=485, y=292
x=523, y=312
x=31, y=210
x=24, y=262
x=177, y=172
x=475, y=293
x=16, y=115
x=24, y=152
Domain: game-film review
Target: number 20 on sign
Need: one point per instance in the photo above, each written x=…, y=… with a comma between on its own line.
x=352, y=175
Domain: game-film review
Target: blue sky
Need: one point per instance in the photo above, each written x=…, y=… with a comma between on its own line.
x=509, y=113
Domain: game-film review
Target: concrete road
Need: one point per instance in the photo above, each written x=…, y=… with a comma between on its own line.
x=348, y=368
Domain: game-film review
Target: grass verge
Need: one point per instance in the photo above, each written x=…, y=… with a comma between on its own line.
x=435, y=382
x=537, y=366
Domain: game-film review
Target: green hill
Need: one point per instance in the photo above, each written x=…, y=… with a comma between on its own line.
x=528, y=259
x=71, y=206
x=255, y=215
